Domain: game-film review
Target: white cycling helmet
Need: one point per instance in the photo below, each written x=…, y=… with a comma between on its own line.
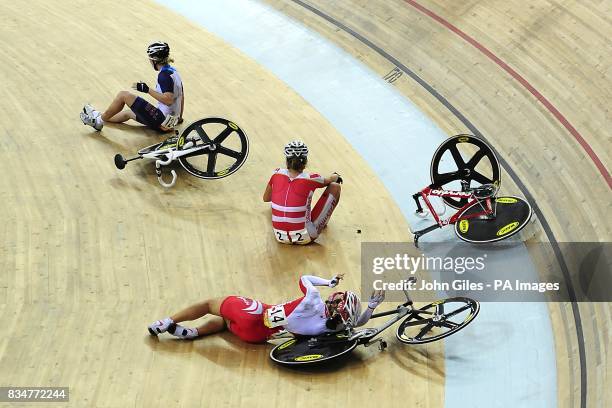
x=158, y=51
x=347, y=305
x=296, y=148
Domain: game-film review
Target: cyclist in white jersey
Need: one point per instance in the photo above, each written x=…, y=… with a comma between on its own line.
x=256, y=322
x=168, y=92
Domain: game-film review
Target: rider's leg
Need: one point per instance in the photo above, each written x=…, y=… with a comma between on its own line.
x=147, y=114
x=213, y=324
x=197, y=310
x=323, y=209
x=122, y=99
x=244, y=318
x=193, y=312
x=123, y=116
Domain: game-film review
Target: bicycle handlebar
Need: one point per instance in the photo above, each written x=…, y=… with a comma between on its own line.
x=158, y=164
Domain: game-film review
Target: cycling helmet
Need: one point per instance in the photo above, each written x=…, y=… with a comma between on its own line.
x=158, y=51
x=347, y=305
x=296, y=148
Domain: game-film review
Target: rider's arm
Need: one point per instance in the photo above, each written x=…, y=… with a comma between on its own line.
x=166, y=85
x=331, y=179
x=365, y=316
x=166, y=98
x=267, y=195
x=308, y=283
x=375, y=299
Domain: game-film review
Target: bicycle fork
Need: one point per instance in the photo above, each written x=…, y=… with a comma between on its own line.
x=419, y=233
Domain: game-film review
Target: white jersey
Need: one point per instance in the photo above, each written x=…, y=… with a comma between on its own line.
x=306, y=315
x=169, y=80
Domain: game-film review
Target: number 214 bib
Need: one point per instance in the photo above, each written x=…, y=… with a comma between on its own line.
x=275, y=316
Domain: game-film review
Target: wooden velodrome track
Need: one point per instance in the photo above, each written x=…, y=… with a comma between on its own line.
x=90, y=255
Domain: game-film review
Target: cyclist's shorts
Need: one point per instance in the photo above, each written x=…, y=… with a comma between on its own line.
x=147, y=114
x=245, y=319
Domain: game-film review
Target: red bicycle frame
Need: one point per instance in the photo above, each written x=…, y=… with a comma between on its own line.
x=428, y=191
x=431, y=191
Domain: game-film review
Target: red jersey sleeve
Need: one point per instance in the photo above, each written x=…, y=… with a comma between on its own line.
x=317, y=178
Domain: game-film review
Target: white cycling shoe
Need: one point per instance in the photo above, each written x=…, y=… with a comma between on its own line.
x=160, y=326
x=91, y=117
x=181, y=332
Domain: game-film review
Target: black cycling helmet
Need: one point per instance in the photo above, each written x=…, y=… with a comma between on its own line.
x=158, y=51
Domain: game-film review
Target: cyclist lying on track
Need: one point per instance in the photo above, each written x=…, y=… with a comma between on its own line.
x=290, y=190
x=255, y=322
x=168, y=92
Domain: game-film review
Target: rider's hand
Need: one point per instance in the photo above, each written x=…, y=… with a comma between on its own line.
x=338, y=178
x=335, y=280
x=376, y=298
x=141, y=87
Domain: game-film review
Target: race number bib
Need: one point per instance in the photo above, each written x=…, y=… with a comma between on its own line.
x=275, y=316
x=299, y=237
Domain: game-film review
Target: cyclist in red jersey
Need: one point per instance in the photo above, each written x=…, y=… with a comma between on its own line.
x=290, y=192
x=256, y=322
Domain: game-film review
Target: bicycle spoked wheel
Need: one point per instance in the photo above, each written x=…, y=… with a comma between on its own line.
x=224, y=148
x=463, y=162
x=444, y=318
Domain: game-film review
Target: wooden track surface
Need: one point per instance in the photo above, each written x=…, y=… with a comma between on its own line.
x=92, y=255
x=563, y=51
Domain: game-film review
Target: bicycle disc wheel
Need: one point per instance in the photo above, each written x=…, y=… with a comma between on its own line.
x=449, y=316
x=312, y=350
x=463, y=162
x=224, y=148
x=511, y=215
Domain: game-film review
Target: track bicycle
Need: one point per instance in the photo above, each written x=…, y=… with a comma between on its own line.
x=201, y=154
x=481, y=215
